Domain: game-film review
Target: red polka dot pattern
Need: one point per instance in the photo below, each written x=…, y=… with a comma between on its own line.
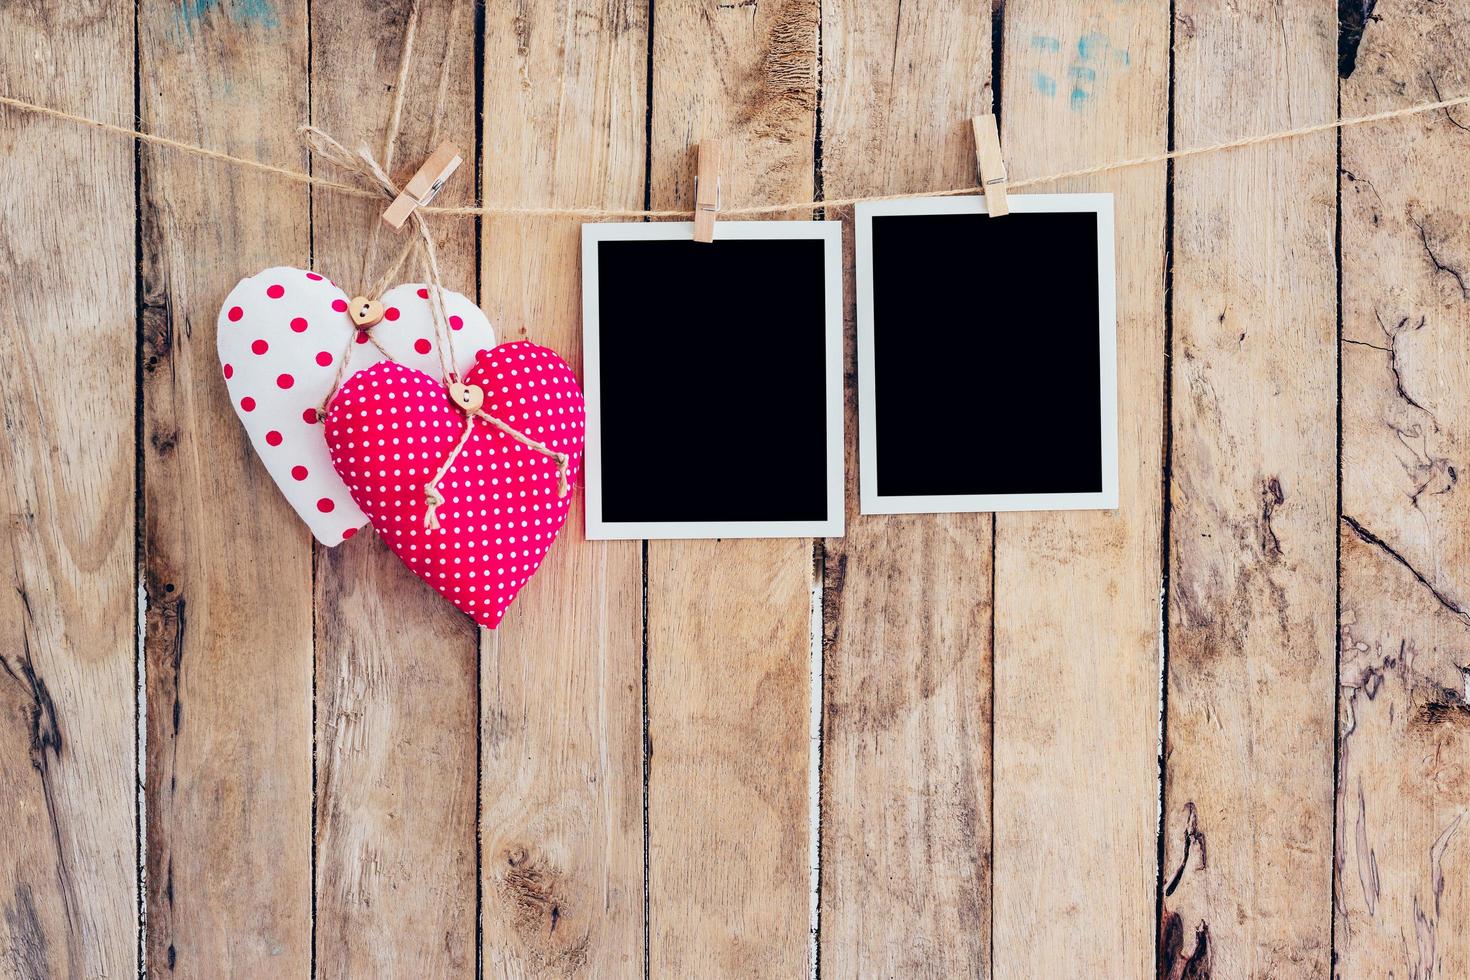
x=280, y=349
x=390, y=429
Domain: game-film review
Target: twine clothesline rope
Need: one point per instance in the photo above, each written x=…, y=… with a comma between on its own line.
x=481, y=210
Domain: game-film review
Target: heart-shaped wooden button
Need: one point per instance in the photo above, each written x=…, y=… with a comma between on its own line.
x=365, y=312
x=467, y=398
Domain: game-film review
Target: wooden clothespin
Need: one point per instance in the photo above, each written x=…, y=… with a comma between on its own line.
x=708, y=189
x=993, y=174
x=425, y=184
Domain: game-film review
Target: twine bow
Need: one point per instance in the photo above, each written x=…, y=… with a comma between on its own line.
x=435, y=499
x=365, y=166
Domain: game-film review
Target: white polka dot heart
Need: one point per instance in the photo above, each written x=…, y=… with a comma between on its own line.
x=390, y=429
x=281, y=336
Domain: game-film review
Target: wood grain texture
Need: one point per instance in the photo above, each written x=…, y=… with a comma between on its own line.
x=729, y=622
x=906, y=600
x=1077, y=679
x=1252, y=550
x=1403, y=893
x=396, y=664
x=68, y=853
x=561, y=678
x=226, y=562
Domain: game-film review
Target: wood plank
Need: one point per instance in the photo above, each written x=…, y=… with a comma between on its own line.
x=1077, y=679
x=396, y=664
x=561, y=679
x=1403, y=893
x=226, y=563
x=906, y=600
x=1252, y=546
x=729, y=622
x=68, y=851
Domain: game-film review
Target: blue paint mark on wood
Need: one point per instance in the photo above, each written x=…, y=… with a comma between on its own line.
x=257, y=13
x=1083, y=69
x=1089, y=46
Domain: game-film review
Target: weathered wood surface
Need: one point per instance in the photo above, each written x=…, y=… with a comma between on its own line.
x=339, y=775
x=1403, y=792
x=226, y=566
x=906, y=600
x=1077, y=678
x=68, y=847
x=396, y=748
x=729, y=622
x=561, y=681
x=1253, y=486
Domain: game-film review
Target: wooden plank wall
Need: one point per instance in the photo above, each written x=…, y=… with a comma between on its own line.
x=905, y=600
x=68, y=847
x=729, y=622
x=1249, y=699
x=225, y=564
x=395, y=676
x=1217, y=732
x=561, y=681
x=1076, y=682
x=1404, y=729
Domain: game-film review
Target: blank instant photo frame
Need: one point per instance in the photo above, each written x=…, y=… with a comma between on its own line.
x=713, y=377
x=987, y=355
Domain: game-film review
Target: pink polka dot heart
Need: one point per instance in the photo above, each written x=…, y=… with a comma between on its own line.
x=390, y=428
x=281, y=335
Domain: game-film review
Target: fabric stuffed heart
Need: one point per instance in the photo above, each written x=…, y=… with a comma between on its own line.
x=390, y=429
x=280, y=335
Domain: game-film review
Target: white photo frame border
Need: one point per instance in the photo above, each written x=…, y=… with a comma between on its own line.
x=829, y=232
x=870, y=501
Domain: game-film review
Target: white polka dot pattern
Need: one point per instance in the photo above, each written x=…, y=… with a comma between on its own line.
x=280, y=336
x=391, y=427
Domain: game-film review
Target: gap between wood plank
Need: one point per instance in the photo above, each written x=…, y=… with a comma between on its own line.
x=140, y=606
x=1166, y=481
x=1337, y=545
x=814, y=760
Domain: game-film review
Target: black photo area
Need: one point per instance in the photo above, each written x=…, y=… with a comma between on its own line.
x=712, y=367
x=985, y=354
